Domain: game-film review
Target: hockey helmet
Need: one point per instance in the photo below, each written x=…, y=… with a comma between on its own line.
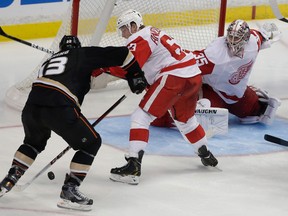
x=127, y=17
x=69, y=42
x=238, y=34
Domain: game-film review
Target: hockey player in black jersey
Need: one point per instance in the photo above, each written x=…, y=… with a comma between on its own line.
x=54, y=105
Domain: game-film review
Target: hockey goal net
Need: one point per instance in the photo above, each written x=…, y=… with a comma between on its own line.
x=193, y=22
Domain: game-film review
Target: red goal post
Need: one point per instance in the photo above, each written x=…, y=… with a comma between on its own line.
x=193, y=22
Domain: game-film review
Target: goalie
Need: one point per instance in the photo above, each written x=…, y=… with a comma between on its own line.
x=226, y=65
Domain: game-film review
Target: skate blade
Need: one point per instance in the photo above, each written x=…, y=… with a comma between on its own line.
x=67, y=204
x=3, y=191
x=216, y=168
x=129, y=179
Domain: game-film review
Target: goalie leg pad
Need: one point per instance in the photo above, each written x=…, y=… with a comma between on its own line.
x=249, y=119
x=213, y=120
x=270, y=106
x=262, y=95
x=270, y=112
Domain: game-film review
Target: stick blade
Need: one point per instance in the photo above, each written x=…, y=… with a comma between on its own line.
x=276, y=140
x=1, y=31
x=284, y=20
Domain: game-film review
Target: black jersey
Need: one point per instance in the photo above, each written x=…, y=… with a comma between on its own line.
x=64, y=79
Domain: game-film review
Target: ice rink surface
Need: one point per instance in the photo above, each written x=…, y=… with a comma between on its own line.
x=254, y=173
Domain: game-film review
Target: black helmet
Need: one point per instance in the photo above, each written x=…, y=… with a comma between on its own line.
x=69, y=42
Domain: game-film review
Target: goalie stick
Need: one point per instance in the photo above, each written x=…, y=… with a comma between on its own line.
x=276, y=11
x=25, y=42
x=20, y=188
x=275, y=140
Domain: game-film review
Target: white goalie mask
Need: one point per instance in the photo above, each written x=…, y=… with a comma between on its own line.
x=126, y=18
x=238, y=34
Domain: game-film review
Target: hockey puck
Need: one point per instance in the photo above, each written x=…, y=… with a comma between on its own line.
x=51, y=175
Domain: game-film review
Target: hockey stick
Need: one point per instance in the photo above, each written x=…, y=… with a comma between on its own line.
x=20, y=188
x=35, y=46
x=275, y=140
x=25, y=42
x=276, y=11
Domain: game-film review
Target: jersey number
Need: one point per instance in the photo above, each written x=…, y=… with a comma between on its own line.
x=174, y=49
x=200, y=59
x=54, y=67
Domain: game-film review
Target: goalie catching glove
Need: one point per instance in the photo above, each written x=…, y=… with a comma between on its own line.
x=270, y=32
x=136, y=81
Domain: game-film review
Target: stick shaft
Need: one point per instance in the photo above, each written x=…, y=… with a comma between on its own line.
x=275, y=140
x=25, y=42
x=276, y=11
x=109, y=110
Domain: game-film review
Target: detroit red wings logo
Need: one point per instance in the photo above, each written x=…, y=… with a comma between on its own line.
x=237, y=76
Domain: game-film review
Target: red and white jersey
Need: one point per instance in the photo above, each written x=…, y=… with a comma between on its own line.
x=228, y=75
x=158, y=53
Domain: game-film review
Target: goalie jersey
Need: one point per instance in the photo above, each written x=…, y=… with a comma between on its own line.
x=228, y=75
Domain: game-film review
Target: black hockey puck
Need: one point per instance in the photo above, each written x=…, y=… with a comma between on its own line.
x=51, y=175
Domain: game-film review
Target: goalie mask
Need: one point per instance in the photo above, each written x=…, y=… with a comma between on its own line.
x=238, y=34
x=126, y=18
x=69, y=42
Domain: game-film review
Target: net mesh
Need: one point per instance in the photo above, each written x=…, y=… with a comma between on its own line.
x=193, y=22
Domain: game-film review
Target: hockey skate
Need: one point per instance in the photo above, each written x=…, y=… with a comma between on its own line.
x=130, y=172
x=72, y=198
x=10, y=180
x=207, y=158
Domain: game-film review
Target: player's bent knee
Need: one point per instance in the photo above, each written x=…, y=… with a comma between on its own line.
x=90, y=146
x=141, y=119
x=186, y=127
x=94, y=147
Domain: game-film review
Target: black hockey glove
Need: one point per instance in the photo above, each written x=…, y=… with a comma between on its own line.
x=136, y=81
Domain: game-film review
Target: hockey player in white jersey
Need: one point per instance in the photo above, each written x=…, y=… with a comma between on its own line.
x=226, y=65
x=174, y=80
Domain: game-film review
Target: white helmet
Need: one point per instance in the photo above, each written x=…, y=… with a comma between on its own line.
x=238, y=34
x=127, y=17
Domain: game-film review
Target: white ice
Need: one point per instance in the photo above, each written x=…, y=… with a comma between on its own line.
x=170, y=186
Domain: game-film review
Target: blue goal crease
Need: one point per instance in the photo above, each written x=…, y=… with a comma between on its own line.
x=240, y=139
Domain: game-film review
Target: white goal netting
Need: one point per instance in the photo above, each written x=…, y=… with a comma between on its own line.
x=193, y=22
